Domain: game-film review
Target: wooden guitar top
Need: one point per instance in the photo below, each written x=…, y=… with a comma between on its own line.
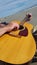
x=16, y=50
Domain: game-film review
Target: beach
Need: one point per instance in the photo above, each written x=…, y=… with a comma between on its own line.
x=20, y=16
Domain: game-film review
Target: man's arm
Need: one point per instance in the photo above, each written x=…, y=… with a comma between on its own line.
x=3, y=30
x=8, y=28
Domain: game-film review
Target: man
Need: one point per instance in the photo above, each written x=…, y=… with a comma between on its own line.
x=7, y=27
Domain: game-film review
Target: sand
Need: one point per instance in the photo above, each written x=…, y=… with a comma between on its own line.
x=20, y=16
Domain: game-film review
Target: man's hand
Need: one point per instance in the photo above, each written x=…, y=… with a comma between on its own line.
x=12, y=26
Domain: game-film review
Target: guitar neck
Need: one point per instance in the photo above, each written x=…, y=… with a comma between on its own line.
x=23, y=21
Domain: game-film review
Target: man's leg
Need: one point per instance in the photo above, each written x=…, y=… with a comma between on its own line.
x=2, y=24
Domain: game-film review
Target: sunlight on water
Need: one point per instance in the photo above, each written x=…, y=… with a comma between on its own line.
x=10, y=7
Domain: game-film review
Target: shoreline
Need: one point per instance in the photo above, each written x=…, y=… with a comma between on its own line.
x=20, y=16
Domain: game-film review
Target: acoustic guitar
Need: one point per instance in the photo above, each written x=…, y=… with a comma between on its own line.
x=17, y=50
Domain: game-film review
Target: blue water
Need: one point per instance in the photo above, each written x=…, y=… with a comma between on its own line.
x=10, y=7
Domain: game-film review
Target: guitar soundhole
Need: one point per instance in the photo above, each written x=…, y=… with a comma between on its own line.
x=21, y=27
x=24, y=32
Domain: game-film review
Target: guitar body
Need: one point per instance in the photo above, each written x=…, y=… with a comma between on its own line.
x=16, y=50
